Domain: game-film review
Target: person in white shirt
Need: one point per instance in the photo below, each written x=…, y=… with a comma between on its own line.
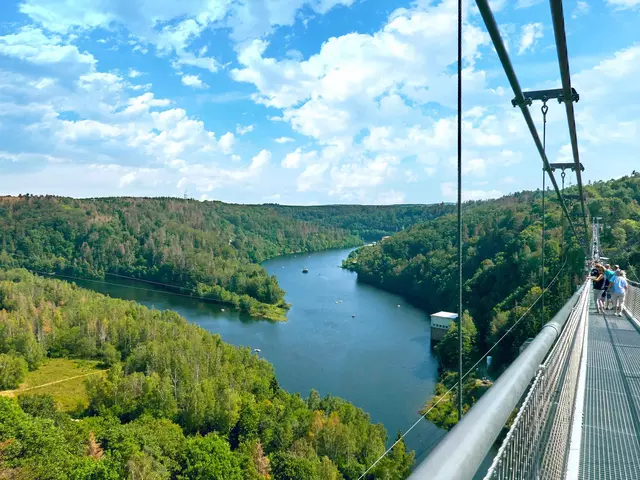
x=619, y=287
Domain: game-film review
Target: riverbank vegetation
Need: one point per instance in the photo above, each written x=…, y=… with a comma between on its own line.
x=210, y=249
x=501, y=268
x=207, y=249
x=175, y=403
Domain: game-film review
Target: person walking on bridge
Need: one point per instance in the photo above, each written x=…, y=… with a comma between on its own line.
x=597, y=276
x=609, y=275
x=619, y=289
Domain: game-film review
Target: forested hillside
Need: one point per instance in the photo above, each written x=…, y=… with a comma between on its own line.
x=501, y=267
x=371, y=222
x=209, y=249
x=177, y=402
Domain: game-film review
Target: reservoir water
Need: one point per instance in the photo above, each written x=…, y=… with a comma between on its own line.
x=343, y=337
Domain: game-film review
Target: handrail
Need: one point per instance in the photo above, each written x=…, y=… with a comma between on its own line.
x=459, y=455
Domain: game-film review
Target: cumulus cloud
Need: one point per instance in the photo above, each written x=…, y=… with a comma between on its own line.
x=193, y=81
x=298, y=158
x=244, y=129
x=226, y=142
x=283, y=140
x=582, y=8
x=531, y=33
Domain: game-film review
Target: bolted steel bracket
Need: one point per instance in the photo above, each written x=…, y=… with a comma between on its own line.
x=544, y=95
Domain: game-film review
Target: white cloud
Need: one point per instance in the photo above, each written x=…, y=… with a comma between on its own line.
x=530, y=34
x=243, y=129
x=226, y=142
x=193, y=81
x=133, y=73
x=292, y=159
x=32, y=45
x=475, y=166
x=582, y=8
x=173, y=26
x=127, y=178
x=283, y=140
x=297, y=158
x=624, y=4
x=449, y=191
x=311, y=176
x=260, y=160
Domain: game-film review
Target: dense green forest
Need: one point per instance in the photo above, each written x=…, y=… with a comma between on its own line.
x=176, y=403
x=501, y=269
x=371, y=222
x=208, y=249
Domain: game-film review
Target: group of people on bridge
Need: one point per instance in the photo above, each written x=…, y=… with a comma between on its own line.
x=609, y=287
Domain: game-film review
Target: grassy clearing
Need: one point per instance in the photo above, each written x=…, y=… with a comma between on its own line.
x=63, y=379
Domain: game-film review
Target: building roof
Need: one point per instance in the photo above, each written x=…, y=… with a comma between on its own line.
x=450, y=315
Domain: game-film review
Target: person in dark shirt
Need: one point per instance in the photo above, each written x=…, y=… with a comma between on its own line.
x=597, y=276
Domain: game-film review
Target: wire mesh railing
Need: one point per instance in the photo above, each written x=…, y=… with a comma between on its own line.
x=537, y=443
x=632, y=300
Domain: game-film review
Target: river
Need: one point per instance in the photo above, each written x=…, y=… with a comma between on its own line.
x=343, y=337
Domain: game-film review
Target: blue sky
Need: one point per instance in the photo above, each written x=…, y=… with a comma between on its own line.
x=302, y=101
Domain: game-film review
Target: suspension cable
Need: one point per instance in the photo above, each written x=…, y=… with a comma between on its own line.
x=562, y=253
x=460, y=208
x=544, y=110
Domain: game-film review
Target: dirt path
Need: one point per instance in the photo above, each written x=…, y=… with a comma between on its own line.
x=12, y=393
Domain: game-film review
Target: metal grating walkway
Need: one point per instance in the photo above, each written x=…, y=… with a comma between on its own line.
x=610, y=447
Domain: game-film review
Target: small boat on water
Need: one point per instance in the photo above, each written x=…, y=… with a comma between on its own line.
x=257, y=350
x=305, y=270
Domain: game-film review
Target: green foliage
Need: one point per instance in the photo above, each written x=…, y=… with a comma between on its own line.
x=12, y=371
x=210, y=249
x=367, y=221
x=179, y=403
x=447, y=348
x=210, y=457
x=206, y=248
x=502, y=252
x=38, y=405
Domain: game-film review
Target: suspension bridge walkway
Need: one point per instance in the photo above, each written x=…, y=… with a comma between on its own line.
x=576, y=391
x=568, y=407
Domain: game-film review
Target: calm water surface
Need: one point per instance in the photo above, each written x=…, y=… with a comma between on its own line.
x=365, y=348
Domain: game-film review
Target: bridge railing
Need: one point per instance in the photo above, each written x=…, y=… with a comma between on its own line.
x=632, y=300
x=537, y=443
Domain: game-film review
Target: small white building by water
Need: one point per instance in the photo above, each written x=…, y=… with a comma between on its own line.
x=440, y=324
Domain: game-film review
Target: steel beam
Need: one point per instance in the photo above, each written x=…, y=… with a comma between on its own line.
x=564, y=165
x=557, y=14
x=494, y=33
x=545, y=95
